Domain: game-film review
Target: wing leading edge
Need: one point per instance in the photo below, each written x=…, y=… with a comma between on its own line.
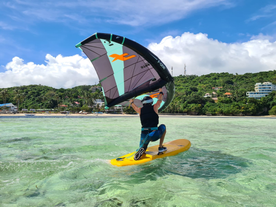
x=126, y=69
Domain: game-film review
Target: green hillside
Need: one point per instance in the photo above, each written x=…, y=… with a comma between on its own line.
x=45, y=97
x=189, y=95
x=190, y=91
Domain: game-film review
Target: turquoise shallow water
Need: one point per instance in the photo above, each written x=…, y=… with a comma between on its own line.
x=65, y=162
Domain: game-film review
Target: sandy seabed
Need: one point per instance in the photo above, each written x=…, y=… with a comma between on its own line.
x=46, y=161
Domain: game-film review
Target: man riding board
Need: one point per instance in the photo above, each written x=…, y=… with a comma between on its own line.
x=149, y=120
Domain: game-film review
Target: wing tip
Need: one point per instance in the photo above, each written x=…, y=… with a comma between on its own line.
x=78, y=45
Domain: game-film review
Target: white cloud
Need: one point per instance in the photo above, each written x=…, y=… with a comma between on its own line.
x=267, y=12
x=203, y=55
x=256, y=17
x=268, y=8
x=58, y=72
x=261, y=36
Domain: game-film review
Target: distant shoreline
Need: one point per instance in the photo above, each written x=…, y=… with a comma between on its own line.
x=64, y=115
x=44, y=115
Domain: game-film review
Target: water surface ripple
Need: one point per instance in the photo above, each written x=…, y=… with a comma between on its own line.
x=65, y=162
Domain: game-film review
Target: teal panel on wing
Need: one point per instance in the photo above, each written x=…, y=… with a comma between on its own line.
x=116, y=50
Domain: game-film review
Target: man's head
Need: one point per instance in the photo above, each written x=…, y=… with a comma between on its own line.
x=147, y=100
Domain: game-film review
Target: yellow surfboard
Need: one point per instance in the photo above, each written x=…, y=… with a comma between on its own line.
x=173, y=148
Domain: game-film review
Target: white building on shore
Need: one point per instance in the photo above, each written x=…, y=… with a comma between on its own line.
x=8, y=107
x=261, y=90
x=98, y=103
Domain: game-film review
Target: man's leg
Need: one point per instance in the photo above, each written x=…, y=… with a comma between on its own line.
x=144, y=141
x=143, y=146
x=162, y=139
x=162, y=130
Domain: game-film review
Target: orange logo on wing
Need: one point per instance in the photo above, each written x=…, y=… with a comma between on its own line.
x=155, y=95
x=121, y=57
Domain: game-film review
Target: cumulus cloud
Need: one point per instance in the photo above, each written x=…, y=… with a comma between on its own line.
x=58, y=72
x=203, y=55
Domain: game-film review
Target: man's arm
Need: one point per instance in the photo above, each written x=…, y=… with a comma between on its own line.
x=160, y=98
x=138, y=110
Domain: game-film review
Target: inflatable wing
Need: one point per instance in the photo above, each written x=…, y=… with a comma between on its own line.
x=126, y=69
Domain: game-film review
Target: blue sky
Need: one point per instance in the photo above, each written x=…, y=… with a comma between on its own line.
x=38, y=38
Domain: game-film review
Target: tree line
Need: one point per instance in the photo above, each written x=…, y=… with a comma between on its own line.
x=227, y=95
x=227, y=91
x=45, y=97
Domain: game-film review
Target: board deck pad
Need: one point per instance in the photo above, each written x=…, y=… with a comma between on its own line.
x=173, y=148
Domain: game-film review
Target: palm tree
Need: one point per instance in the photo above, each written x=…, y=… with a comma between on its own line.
x=17, y=92
x=57, y=98
x=51, y=97
x=88, y=98
x=19, y=97
x=4, y=94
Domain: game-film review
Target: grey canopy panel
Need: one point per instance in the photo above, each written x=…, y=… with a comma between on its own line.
x=126, y=69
